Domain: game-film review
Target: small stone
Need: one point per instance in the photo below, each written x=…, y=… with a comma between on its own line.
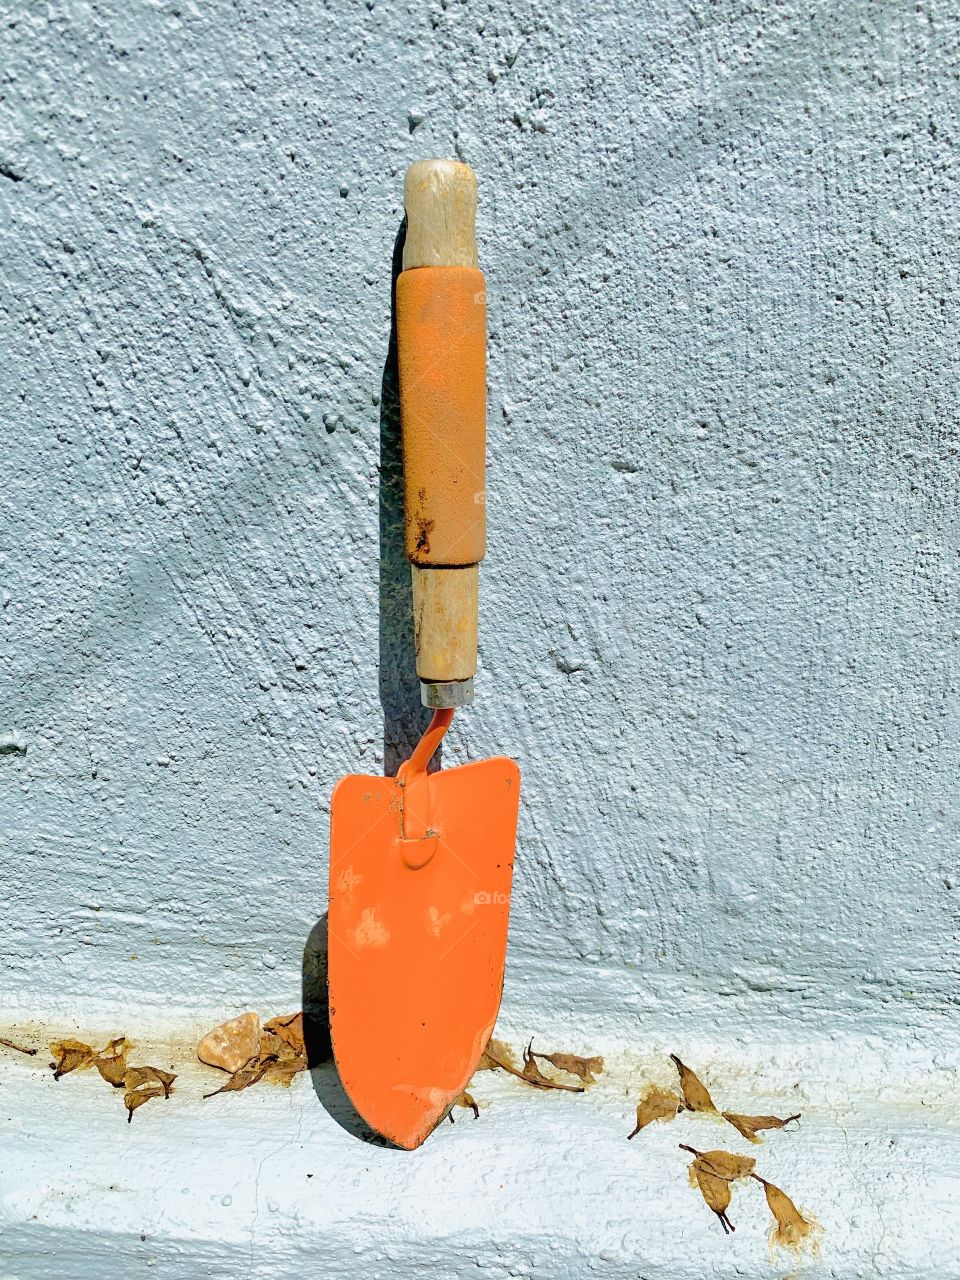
x=231, y=1044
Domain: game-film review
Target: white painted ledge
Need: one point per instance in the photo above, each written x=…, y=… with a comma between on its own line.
x=268, y=1184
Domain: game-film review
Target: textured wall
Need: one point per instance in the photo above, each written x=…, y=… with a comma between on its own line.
x=719, y=619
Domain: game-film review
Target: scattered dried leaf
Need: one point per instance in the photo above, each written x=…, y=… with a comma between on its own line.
x=792, y=1229
x=497, y=1054
x=748, y=1125
x=586, y=1069
x=134, y=1098
x=111, y=1061
x=11, y=1044
x=724, y=1164
x=695, y=1094
x=656, y=1104
x=465, y=1100
x=282, y=1059
x=284, y=1072
x=533, y=1075
x=144, y=1083
x=232, y=1044
x=712, y=1172
x=70, y=1055
x=250, y=1073
x=288, y=1027
x=716, y=1193
x=137, y=1076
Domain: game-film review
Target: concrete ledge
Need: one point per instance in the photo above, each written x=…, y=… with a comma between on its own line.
x=274, y=1182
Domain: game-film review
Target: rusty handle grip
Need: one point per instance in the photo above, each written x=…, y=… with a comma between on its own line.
x=441, y=349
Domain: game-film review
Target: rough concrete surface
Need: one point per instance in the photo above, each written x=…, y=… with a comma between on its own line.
x=542, y=1186
x=719, y=608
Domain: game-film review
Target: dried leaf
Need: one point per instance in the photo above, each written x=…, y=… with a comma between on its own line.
x=586, y=1069
x=70, y=1055
x=656, y=1104
x=727, y=1164
x=712, y=1171
x=465, y=1100
x=283, y=1060
x=140, y=1083
x=111, y=1061
x=250, y=1073
x=288, y=1028
x=748, y=1125
x=722, y=1164
x=113, y=1069
x=533, y=1075
x=792, y=1229
x=134, y=1098
x=284, y=1072
x=143, y=1084
x=497, y=1054
x=716, y=1192
x=695, y=1095
x=232, y=1044
x=136, y=1076
x=283, y=1040
x=10, y=1044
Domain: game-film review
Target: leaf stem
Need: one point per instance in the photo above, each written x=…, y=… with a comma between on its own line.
x=10, y=1044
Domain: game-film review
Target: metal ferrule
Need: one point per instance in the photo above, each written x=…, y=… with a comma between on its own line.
x=437, y=694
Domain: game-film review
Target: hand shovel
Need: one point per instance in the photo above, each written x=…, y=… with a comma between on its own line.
x=421, y=864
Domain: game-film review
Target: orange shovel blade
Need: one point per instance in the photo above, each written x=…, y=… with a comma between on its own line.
x=417, y=933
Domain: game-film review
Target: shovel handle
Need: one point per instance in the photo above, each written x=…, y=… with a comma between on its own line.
x=441, y=350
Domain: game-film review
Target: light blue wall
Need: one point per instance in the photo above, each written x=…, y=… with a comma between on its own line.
x=719, y=621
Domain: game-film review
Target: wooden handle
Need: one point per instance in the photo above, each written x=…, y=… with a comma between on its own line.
x=441, y=348
x=440, y=198
x=445, y=622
